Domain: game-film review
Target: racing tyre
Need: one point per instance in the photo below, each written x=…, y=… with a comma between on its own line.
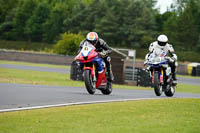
x=108, y=89
x=157, y=86
x=89, y=83
x=170, y=91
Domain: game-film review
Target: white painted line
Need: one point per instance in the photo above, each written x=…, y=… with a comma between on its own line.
x=76, y=103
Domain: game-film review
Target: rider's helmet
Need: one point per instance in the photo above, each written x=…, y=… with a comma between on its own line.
x=92, y=37
x=162, y=40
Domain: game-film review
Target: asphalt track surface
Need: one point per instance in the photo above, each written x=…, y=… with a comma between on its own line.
x=26, y=96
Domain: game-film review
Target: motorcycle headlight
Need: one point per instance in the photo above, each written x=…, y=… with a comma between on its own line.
x=165, y=65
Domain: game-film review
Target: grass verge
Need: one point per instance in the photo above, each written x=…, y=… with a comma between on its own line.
x=37, y=77
x=58, y=79
x=146, y=116
x=186, y=76
x=33, y=64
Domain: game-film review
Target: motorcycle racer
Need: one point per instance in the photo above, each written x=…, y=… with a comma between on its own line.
x=102, y=48
x=162, y=44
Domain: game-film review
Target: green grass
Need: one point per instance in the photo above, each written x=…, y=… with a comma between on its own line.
x=146, y=116
x=186, y=76
x=59, y=79
x=33, y=64
x=63, y=66
x=36, y=77
x=188, y=88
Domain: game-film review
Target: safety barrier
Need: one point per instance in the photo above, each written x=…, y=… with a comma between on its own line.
x=193, y=69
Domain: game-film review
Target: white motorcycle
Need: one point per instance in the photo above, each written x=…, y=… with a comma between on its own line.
x=161, y=74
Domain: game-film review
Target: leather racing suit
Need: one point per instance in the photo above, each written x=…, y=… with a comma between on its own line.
x=168, y=48
x=102, y=47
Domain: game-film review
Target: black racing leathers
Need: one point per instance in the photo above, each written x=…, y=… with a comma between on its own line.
x=100, y=46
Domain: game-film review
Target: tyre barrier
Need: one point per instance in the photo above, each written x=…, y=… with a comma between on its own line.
x=198, y=70
x=143, y=78
x=75, y=72
x=194, y=69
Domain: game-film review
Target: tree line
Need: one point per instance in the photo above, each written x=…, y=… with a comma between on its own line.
x=121, y=23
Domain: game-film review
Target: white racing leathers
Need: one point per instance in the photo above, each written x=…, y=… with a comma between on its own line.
x=170, y=52
x=168, y=48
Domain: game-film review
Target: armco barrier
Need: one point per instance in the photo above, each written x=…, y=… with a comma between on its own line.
x=36, y=57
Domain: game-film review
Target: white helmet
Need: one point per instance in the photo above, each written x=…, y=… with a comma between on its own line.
x=92, y=37
x=162, y=40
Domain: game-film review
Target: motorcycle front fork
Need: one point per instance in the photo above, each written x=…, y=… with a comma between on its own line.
x=94, y=78
x=161, y=76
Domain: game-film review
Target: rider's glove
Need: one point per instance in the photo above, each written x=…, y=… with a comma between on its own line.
x=169, y=59
x=174, y=59
x=103, y=54
x=146, y=68
x=145, y=62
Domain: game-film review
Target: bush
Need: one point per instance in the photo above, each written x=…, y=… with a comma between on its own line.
x=69, y=44
x=191, y=56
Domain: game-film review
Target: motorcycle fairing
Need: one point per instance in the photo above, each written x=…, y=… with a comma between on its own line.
x=98, y=62
x=101, y=80
x=90, y=59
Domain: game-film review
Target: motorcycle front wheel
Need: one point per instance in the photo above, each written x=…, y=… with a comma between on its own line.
x=157, y=86
x=89, y=83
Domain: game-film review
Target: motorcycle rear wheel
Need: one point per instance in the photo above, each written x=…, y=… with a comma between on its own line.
x=170, y=91
x=108, y=89
x=157, y=86
x=89, y=83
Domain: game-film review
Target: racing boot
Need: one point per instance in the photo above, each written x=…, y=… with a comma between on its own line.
x=174, y=79
x=173, y=68
x=110, y=75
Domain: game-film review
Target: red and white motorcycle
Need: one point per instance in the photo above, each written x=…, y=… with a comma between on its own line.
x=94, y=70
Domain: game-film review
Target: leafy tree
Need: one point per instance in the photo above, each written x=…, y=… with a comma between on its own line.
x=138, y=21
x=7, y=12
x=85, y=17
x=187, y=24
x=34, y=25
x=179, y=5
x=60, y=10
x=69, y=44
x=170, y=28
x=6, y=7
x=108, y=25
x=24, y=11
x=54, y=23
x=188, y=30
